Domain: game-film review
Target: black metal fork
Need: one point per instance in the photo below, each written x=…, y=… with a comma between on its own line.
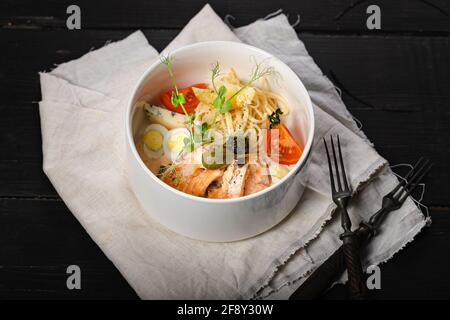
x=341, y=193
x=323, y=277
x=395, y=199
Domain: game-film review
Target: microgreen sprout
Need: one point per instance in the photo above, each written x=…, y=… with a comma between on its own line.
x=200, y=132
x=164, y=171
x=190, y=119
x=223, y=105
x=177, y=98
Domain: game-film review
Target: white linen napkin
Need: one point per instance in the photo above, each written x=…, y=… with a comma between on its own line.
x=82, y=119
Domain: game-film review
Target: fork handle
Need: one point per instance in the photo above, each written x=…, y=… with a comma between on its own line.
x=376, y=219
x=356, y=281
x=323, y=277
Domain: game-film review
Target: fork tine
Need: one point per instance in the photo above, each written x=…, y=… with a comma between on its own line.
x=338, y=176
x=329, y=166
x=417, y=173
x=344, y=175
x=416, y=183
x=411, y=180
x=404, y=180
x=409, y=174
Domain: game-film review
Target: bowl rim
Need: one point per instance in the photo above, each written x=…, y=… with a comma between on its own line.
x=294, y=171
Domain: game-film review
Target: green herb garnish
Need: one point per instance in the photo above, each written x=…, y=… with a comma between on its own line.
x=215, y=73
x=257, y=73
x=188, y=146
x=221, y=105
x=169, y=169
x=274, y=118
x=224, y=106
x=200, y=132
x=178, y=99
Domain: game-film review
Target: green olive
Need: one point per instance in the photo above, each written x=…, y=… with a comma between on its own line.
x=209, y=157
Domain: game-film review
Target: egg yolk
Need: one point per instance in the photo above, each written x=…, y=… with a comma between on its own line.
x=176, y=142
x=153, y=140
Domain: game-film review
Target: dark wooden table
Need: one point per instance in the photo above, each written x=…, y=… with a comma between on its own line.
x=396, y=81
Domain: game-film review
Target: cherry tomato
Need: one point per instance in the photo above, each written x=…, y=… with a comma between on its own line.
x=289, y=150
x=191, y=100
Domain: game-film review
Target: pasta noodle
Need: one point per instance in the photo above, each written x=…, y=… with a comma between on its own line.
x=250, y=116
x=237, y=157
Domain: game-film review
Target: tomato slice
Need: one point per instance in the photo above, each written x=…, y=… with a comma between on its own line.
x=289, y=150
x=191, y=100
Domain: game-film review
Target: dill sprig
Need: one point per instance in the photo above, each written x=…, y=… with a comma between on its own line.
x=215, y=73
x=259, y=71
x=223, y=105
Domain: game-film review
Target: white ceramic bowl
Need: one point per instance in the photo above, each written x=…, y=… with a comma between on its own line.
x=218, y=220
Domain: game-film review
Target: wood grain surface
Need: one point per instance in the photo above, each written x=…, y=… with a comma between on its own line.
x=395, y=81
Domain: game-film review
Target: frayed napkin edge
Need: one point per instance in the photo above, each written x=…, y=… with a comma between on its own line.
x=264, y=281
x=377, y=261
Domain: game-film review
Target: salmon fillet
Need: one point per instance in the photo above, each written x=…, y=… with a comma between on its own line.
x=232, y=183
x=195, y=183
x=190, y=176
x=235, y=181
x=258, y=178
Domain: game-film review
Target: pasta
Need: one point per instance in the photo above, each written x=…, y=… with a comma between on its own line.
x=252, y=114
x=230, y=141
